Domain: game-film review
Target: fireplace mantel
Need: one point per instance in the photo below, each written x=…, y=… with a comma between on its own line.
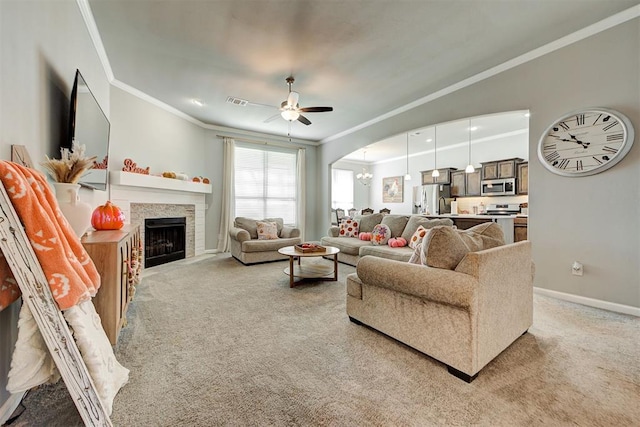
x=131, y=188
x=130, y=179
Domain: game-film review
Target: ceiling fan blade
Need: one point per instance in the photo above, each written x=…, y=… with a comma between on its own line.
x=272, y=118
x=303, y=119
x=315, y=109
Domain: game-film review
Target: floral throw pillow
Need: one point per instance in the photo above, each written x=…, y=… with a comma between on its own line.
x=380, y=234
x=418, y=237
x=267, y=230
x=348, y=228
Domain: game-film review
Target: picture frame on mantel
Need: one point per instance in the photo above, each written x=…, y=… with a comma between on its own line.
x=393, y=189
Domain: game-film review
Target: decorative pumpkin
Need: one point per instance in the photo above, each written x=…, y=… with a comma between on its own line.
x=365, y=236
x=397, y=242
x=107, y=217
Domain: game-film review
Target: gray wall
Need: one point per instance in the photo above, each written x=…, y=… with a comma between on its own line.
x=41, y=43
x=154, y=137
x=594, y=220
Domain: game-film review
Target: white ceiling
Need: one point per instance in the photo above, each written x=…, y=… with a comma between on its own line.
x=363, y=57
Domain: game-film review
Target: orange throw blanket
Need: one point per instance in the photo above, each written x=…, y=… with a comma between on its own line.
x=71, y=274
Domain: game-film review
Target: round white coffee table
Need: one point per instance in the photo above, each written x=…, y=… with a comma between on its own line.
x=310, y=271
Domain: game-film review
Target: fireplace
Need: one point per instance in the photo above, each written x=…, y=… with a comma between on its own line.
x=164, y=240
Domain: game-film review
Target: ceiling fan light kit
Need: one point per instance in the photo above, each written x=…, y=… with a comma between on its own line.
x=290, y=115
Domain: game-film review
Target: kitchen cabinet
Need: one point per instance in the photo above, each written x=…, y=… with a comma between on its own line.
x=473, y=183
x=116, y=255
x=520, y=229
x=444, y=178
x=522, y=178
x=499, y=169
x=458, y=184
x=465, y=184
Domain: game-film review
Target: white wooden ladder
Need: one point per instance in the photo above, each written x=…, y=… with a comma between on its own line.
x=54, y=328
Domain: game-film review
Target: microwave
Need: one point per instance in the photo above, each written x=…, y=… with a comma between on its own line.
x=499, y=187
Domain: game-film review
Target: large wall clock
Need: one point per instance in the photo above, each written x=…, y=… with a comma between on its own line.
x=585, y=142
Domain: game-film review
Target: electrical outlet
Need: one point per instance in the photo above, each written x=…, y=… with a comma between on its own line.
x=577, y=269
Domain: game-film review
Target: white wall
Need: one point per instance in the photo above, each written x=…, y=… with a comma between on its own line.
x=596, y=219
x=42, y=43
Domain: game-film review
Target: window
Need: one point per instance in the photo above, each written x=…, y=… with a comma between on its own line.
x=341, y=189
x=265, y=183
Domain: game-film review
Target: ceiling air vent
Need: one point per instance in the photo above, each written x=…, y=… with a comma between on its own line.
x=237, y=101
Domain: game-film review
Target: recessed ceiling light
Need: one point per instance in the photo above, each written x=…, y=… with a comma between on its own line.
x=429, y=140
x=472, y=128
x=197, y=102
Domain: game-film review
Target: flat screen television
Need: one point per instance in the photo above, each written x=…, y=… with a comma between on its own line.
x=89, y=126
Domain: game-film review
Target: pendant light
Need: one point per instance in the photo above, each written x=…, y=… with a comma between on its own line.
x=436, y=172
x=407, y=177
x=469, y=168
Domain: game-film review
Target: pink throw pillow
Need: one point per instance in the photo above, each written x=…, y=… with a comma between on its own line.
x=365, y=236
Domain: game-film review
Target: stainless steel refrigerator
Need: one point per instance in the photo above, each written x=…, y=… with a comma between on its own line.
x=432, y=199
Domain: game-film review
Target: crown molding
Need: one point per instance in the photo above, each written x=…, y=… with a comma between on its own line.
x=87, y=16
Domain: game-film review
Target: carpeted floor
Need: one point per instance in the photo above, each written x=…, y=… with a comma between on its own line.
x=212, y=342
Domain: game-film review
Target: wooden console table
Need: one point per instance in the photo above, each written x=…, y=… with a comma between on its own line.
x=113, y=251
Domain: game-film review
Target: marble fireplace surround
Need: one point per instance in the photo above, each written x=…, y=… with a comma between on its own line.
x=144, y=196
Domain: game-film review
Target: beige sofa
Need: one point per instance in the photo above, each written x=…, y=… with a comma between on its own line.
x=352, y=248
x=246, y=247
x=461, y=313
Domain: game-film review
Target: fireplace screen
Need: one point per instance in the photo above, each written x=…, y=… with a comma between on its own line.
x=164, y=240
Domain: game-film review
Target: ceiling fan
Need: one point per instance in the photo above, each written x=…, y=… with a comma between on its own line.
x=290, y=110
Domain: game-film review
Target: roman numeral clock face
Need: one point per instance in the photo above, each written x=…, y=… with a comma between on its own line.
x=585, y=142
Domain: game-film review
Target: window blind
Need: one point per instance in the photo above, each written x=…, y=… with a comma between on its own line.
x=265, y=184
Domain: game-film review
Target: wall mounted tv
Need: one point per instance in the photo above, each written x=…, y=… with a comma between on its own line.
x=89, y=126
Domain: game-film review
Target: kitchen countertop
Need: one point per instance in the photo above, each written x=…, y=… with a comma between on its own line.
x=472, y=216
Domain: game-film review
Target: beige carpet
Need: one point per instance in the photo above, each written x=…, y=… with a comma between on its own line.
x=212, y=342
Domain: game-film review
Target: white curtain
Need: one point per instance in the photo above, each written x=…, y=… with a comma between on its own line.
x=228, y=200
x=301, y=199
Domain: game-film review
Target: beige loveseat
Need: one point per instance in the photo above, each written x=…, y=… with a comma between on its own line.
x=463, y=311
x=248, y=249
x=352, y=248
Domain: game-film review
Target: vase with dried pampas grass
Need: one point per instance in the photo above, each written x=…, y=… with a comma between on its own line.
x=66, y=172
x=70, y=168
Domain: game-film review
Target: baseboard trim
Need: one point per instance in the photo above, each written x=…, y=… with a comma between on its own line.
x=10, y=406
x=210, y=251
x=591, y=302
